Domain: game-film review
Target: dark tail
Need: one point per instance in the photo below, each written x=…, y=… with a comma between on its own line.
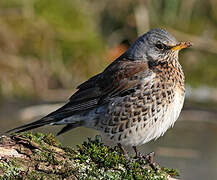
x=51, y=118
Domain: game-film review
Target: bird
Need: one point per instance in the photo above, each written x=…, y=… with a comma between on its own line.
x=134, y=100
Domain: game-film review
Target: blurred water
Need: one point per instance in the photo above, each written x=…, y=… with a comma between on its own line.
x=190, y=146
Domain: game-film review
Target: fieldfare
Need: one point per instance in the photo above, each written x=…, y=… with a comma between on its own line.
x=134, y=100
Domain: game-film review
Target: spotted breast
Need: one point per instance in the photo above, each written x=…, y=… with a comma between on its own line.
x=148, y=111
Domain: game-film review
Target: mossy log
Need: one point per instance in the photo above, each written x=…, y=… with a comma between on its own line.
x=39, y=156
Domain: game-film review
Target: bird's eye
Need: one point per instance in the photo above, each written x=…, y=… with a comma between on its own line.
x=160, y=46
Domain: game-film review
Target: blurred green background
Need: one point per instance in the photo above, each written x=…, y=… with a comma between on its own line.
x=50, y=44
x=48, y=47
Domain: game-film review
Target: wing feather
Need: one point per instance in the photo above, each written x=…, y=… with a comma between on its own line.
x=117, y=80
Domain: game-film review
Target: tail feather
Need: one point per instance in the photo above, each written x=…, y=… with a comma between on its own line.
x=21, y=129
x=69, y=127
x=50, y=119
x=30, y=126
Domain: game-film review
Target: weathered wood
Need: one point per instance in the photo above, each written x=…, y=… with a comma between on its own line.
x=28, y=156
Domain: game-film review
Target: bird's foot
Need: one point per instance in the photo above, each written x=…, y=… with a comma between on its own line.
x=138, y=154
x=150, y=160
x=149, y=157
x=124, y=152
x=127, y=157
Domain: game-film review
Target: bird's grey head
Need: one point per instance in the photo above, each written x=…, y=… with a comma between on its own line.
x=154, y=45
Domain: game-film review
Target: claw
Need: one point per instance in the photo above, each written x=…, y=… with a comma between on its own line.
x=150, y=159
x=138, y=154
x=124, y=152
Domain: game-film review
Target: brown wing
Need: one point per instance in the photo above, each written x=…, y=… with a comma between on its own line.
x=117, y=79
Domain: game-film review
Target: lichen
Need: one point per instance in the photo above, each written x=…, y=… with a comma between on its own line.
x=48, y=159
x=10, y=169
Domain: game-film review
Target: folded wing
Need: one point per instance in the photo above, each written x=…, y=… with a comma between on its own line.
x=118, y=79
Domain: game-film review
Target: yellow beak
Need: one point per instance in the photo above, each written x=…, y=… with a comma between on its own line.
x=181, y=45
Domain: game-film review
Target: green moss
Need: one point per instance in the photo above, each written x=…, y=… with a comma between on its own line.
x=109, y=163
x=10, y=169
x=51, y=140
x=171, y=172
x=91, y=160
x=45, y=141
x=33, y=175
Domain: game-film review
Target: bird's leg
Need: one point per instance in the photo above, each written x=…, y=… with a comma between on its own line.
x=150, y=157
x=128, y=160
x=123, y=151
x=138, y=154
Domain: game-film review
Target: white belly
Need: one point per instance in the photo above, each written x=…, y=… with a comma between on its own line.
x=154, y=130
x=169, y=119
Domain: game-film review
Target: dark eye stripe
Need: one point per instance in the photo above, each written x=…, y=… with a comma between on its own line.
x=162, y=46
